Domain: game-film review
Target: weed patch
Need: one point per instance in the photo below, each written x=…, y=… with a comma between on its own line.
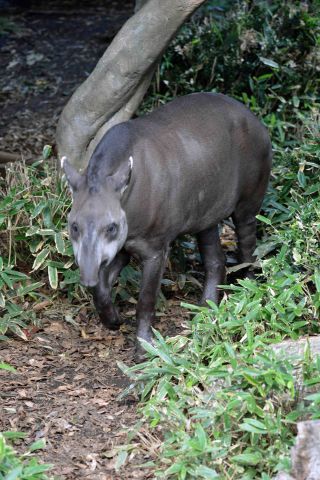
x=25, y=466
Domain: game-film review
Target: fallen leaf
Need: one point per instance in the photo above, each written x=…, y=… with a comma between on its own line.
x=23, y=393
x=40, y=306
x=63, y=388
x=83, y=333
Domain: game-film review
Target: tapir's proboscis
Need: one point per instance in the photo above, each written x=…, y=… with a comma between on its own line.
x=181, y=169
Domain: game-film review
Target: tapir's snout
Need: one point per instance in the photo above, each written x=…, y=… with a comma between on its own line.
x=89, y=271
x=88, y=282
x=89, y=278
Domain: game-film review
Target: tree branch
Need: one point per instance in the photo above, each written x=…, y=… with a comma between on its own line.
x=6, y=157
x=116, y=86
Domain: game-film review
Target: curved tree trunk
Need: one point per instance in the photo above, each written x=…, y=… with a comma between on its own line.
x=139, y=4
x=115, y=88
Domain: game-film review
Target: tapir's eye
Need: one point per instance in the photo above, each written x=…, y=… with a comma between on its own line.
x=74, y=229
x=112, y=229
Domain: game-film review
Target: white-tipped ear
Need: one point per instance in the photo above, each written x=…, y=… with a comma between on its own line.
x=62, y=160
x=121, y=178
x=128, y=175
x=74, y=179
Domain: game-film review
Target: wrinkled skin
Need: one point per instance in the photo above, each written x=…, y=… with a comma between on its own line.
x=182, y=169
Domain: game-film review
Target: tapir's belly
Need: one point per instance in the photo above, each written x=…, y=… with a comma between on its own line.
x=205, y=204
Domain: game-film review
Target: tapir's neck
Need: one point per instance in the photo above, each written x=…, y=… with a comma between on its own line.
x=114, y=148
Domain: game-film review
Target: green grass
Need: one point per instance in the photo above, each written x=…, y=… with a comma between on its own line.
x=20, y=467
x=37, y=257
x=7, y=26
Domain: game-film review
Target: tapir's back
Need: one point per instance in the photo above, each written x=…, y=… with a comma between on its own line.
x=206, y=117
x=203, y=132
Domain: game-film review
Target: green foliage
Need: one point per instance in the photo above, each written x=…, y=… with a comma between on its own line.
x=36, y=253
x=6, y=366
x=13, y=314
x=20, y=467
x=266, y=54
x=7, y=26
x=293, y=207
x=34, y=211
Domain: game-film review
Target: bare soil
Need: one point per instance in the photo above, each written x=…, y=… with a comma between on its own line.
x=47, y=49
x=66, y=390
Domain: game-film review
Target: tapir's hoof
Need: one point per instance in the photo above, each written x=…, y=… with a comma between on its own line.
x=140, y=355
x=111, y=324
x=250, y=275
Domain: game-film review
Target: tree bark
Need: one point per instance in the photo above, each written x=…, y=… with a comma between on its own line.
x=115, y=88
x=6, y=157
x=305, y=455
x=139, y=4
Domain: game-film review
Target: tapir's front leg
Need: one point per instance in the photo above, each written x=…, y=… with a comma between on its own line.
x=102, y=292
x=151, y=277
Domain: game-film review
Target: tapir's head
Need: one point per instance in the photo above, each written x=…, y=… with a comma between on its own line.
x=97, y=223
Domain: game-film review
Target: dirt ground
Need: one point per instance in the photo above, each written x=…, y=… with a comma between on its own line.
x=47, y=48
x=67, y=385
x=67, y=389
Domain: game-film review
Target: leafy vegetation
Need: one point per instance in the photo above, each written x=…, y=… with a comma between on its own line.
x=34, y=235
x=20, y=467
x=7, y=26
x=266, y=54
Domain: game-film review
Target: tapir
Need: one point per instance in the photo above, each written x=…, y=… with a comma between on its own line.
x=181, y=169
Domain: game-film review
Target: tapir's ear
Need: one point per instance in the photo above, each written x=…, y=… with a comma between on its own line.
x=121, y=178
x=74, y=178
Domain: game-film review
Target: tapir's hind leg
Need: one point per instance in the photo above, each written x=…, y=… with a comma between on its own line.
x=213, y=261
x=102, y=292
x=244, y=218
